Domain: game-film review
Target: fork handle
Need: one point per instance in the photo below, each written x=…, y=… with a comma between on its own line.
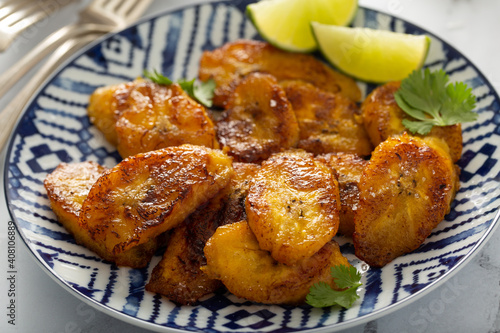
x=9, y=115
x=44, y=48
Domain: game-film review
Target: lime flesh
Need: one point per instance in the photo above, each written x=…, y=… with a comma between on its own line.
x=286, y=23
x=371, y=55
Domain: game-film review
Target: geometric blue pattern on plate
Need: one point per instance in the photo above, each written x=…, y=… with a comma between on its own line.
x=55, y=129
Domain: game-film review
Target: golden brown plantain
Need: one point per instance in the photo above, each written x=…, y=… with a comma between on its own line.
x=234, y=256
x=67, y=187
x=293, y=206
x=328, y=122
x=348, y=168
x=178, y=275
x=383, y=118
x=258, y=120
x=147, y=194
x=233, y=209
x=405, y=191
x=105, y=106
x=228, y=64
x=142, y=116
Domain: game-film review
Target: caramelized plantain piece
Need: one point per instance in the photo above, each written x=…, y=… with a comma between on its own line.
x=405, y=191
x=142, y=116
x=233, y=209
x=105, y=106
x=293, y=206
x=228, y=64
x=147, y=194
x=160, y=116
x=383, y=118
x=349, y=168
x=67, y=188
x=178, y=275
x=258, y=120
x=328, y=122
x=234, y=256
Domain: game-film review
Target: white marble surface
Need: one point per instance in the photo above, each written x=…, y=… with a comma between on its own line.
x=468, y=302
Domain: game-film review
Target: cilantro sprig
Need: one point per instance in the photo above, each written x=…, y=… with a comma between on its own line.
x=346, y=278
x=203, y=93
x=432, y=101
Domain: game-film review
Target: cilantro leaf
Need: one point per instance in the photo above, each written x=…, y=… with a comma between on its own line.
x=157, y=77
x=203, y=93
x=430, y=100
x=346, y=278
x=187, y=86
x=421, y=127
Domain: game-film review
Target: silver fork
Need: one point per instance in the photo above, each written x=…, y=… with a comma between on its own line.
x=80, y=36
x=99, y=17
x=17, y=15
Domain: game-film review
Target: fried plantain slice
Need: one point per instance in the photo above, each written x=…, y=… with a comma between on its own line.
x=147, y=194
x=178, y=275
x=233, y=209
x=142, y=116
x=405, y=191
x=328, y=122
x=105, y=106
x=228, y=64
x=67, y=188
x=348, y=168
x=258, y=120
x=293, y=206
x=382, y=118
x=234, y=256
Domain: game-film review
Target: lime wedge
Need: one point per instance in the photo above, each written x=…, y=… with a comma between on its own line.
x=286, y=23
x=371, y=55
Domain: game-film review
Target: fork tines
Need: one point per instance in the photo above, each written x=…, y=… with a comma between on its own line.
x=17, y=15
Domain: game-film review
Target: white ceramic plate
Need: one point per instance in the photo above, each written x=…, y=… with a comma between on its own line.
x=55, y=129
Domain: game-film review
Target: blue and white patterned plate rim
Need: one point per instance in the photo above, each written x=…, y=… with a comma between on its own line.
x=343, y=325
